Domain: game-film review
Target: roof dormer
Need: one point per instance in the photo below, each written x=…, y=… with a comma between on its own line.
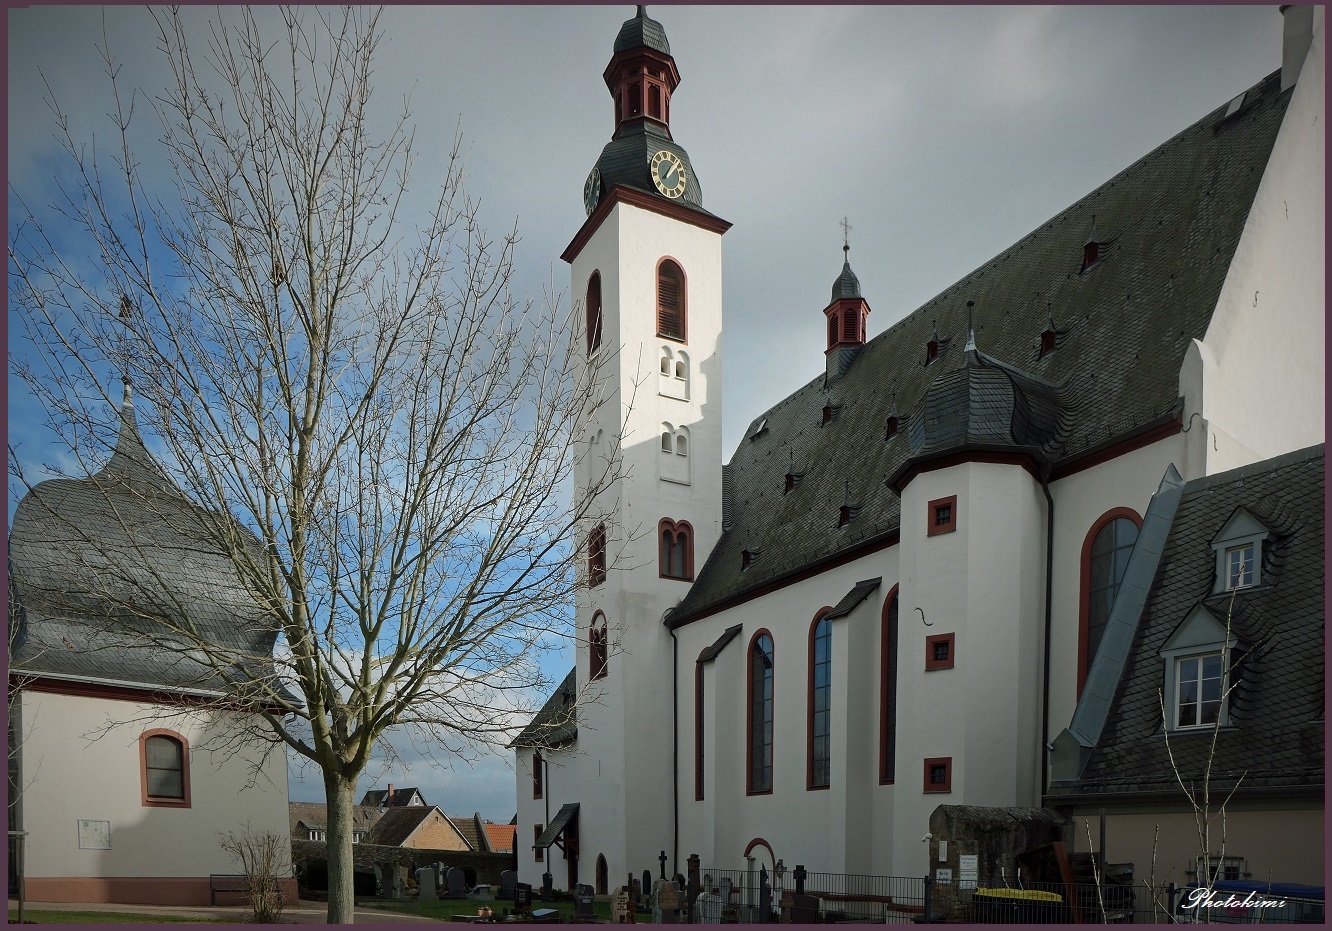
x=1238, y=547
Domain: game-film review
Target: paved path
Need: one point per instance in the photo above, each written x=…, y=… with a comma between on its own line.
x=306, y=913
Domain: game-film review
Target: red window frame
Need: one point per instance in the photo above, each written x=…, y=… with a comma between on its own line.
x=930, y=661
x=771, y=738
x=698, y=732
x=932, y=525
x=669, y=533
x=947, y=763
x=680, y=333
x=597, y=643
x=538, y=777
x=538, y=852
x=596, y=556
x=165, y=801
x=1084, y=588
x=888, y=691
x=811, y=777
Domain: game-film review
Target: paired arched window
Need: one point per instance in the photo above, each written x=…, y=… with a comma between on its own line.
x=594, y=313
x=674, y=369
x=164, y=760
x=671, y=305
x=1105, y=555
x=888, y=691
x=596, y=555
x=597, y=647
x=760, y=713
x=676, y=549
x=820, y=702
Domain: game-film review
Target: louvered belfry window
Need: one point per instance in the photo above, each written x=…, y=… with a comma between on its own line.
x=670, y=301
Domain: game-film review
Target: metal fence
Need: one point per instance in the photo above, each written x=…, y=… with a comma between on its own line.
x=753, y=896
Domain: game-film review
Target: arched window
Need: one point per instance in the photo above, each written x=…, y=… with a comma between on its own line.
x=670, y=300
x=596, y=555
x=759, y=713
x=1105, y=554
x=597, y=645
x=164, y=761
x=820, y=702
x=538, y=775
x=603, y=875
x=832, y=330
x=666, y=436
x=666, y=363
x=682, y=443
x=677, y=549
x=594, y=313
x=888, y=691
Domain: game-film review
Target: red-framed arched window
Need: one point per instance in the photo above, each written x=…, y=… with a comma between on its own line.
x=538, y=775
x=164, y=769
x=597, y=647
x=819, y=739
x=888, y=691
x=596, y=555
x=672, y=303
x=1105, y=554
x=698, y=732
x=594, y=313
x=759, y=714
x=676, y=549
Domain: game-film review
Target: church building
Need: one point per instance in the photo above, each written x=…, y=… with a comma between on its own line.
x=911, y=585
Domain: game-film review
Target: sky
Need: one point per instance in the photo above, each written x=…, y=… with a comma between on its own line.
x=942, y=134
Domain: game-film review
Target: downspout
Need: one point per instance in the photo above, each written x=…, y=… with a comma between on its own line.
x=1049, y=611
x=675, y=749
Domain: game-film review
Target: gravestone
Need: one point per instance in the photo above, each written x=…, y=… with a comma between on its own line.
x=765, y=897
x=393, y=887
x=583, y=901
x=620, y=906
x=547, y=886
x=522, y=896
x=636, y=890
x=425, y=884
x=707, y=909
x=724, y=889
x=508, y=879
x=804, y=909
x=455, y=882
x=482, y=893
x=666, y=901
x=645, y=890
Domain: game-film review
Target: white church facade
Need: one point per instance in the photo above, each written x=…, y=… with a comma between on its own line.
x=893, y=595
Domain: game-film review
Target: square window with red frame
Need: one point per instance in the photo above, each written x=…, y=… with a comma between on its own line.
x=941, y=514
x=940, y=651
x=939, y=774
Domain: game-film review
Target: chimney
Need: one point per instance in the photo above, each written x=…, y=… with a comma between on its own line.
x=1296, y=37
x=388, y=799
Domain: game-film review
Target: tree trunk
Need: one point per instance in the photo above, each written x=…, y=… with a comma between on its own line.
x=339, y=792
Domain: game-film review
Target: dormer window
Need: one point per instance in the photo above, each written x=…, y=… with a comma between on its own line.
x=1091, y=254
x=1047, y=343
x=1239, y=552
x=890, y=428
x=931, y=351
x=1198, y=658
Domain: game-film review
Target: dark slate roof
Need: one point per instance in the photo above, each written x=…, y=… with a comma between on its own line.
x=847, y=284
x=640, y=31
x=384, y=799
x=557, y=825
x=1174, y=219
x=100, y=566
x=627, y=160
x=1276, y=709
x=712, y=651
x=859, y=592
x=556, y=723
x=397, y=824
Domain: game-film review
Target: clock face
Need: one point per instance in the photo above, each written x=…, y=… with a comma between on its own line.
x=668, y=174
x=592, y=191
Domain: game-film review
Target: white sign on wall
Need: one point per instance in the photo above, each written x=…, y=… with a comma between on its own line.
x=943, y=876
x=968, y=865
x=94, y=835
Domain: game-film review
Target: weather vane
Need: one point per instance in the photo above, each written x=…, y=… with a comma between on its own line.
x=846, y=235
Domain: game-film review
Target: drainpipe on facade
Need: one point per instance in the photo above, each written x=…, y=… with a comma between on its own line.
x=1049, y=610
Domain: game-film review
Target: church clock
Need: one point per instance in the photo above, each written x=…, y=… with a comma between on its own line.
x=592, y=191
x=668, y=173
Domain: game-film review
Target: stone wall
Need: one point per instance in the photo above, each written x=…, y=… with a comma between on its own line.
x=485, y=866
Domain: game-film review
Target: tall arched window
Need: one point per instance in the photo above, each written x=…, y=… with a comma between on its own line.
x=671, y=304
x=164, y=761
x=760, y=708
x=820, y=702
x=538, y=774
x=596, y=555
x=603, y=875
x=594, y=313
x=888, y=691
x=676, y=549
x=597, y=645
x=1105, y=555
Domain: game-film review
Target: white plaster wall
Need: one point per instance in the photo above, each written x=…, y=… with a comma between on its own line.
x=69, y=775
x=1263, y=377
x=836, y=829
x=1080, y=499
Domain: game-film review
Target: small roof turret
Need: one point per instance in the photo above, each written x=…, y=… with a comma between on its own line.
x=847, y=284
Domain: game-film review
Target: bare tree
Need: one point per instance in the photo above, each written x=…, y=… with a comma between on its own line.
x=377, y=431
x=263, y=858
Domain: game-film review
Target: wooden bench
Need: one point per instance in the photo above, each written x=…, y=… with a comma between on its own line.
x=225, y=889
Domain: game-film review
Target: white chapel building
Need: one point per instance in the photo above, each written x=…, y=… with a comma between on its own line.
x=894, y=593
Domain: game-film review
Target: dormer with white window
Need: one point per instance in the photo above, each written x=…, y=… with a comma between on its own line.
x=1198, y=657
x=1239, y=552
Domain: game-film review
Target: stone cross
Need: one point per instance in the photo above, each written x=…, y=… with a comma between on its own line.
x=799, y=876
x=662, y=859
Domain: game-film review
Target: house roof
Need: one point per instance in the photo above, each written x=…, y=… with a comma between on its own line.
x=1275, y=737
x=315, y=815
x=556, y=723
x=1168, y=226
x=502, y=837
x=469, y=826
x=395, y=825
x=102, y=569
x=385, y=799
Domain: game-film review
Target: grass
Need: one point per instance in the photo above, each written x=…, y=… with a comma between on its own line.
x=101, y=918
x=444, y=909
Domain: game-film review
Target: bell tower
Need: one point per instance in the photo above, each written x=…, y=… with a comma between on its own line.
x=646, y=278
